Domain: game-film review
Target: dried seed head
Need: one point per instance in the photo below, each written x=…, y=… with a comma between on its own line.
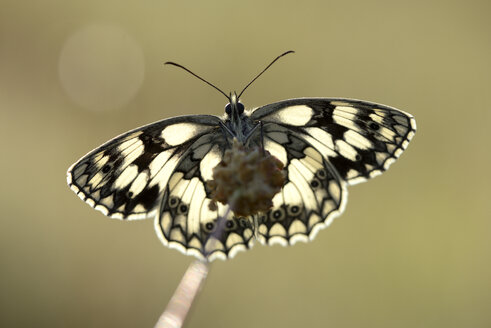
x=246, y=179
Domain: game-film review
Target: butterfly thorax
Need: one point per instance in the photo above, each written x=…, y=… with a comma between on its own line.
x=237, y=123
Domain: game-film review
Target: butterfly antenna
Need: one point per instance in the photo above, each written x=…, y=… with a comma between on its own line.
x=264, y=70
x=196, y=75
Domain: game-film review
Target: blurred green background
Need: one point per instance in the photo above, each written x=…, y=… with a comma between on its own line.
x=412, y=248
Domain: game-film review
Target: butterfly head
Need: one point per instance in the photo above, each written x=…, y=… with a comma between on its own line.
x=234, y=109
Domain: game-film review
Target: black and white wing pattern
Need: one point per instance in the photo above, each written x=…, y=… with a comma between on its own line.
x=161, y=170
x=186, y=222
x=326, y=144
x=125, y=177
x=313, y=195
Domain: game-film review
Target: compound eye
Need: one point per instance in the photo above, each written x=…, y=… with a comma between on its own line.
x=240, y=107
x=228, y=109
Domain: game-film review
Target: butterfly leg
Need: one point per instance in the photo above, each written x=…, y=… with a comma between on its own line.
x=259, y=126
x=262, y=136
x=226, y=130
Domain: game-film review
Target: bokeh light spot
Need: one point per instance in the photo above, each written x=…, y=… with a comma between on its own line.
x=101, y=67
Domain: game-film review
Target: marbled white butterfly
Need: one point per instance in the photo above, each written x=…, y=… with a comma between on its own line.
x=159, y=170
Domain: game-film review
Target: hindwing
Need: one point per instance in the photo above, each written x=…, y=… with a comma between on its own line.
x=185, y=220
x=313, y=194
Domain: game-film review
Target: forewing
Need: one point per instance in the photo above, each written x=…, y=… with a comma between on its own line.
x=360, y=139
x=185, y=220
x=125, y=177
x=312, y=196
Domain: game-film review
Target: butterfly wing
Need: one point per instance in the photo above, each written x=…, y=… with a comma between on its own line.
x=125, y=177
x=185, y=220
x=326, y=144
x=313, y=195
x=360, y=139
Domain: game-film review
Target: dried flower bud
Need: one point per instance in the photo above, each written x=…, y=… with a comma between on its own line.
x=246, y=179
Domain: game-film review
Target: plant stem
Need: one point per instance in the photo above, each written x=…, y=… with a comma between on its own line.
x=192, y=281
x=180, y=303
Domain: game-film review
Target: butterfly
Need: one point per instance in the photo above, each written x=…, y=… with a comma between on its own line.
x=160, y=170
